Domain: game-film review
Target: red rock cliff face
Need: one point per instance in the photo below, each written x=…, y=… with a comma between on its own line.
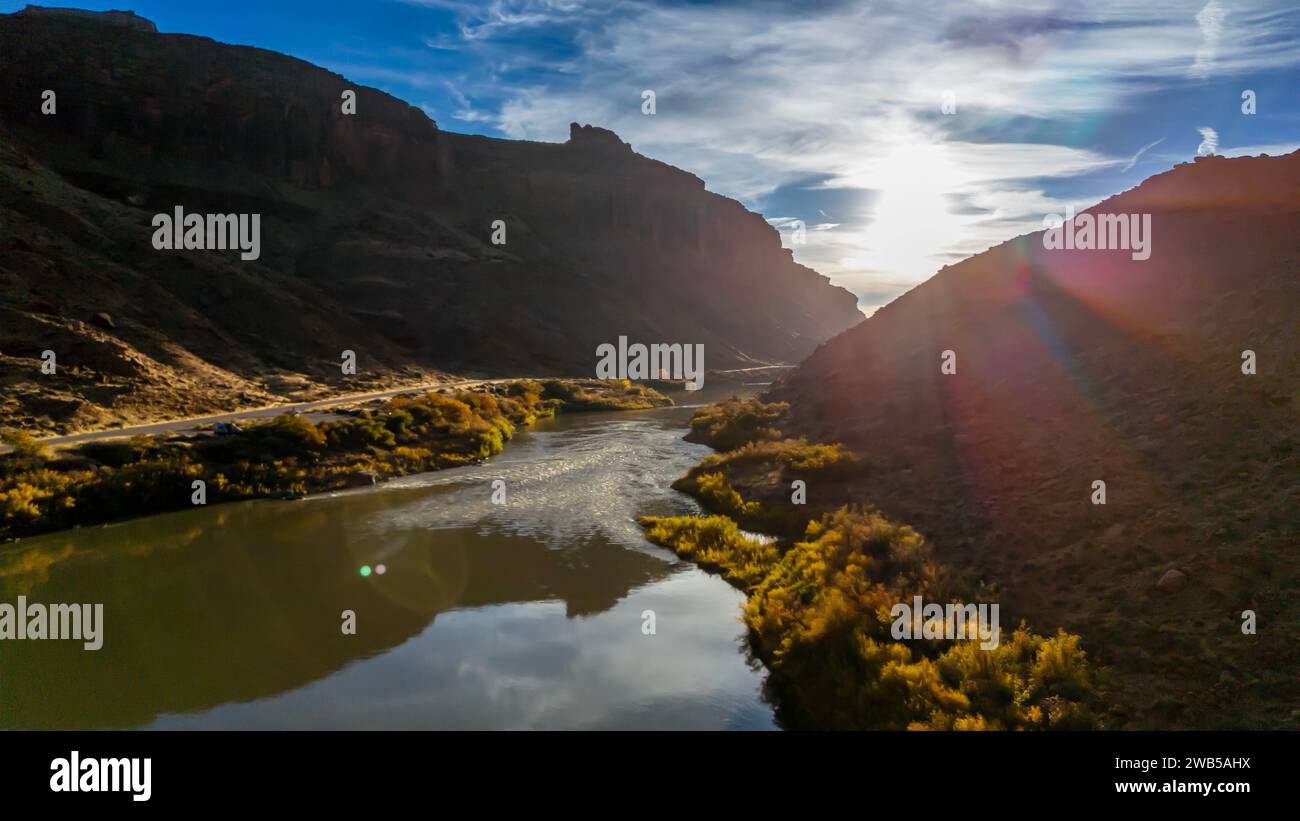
x=376, y=226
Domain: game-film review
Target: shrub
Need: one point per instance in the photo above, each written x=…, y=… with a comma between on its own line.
x=358, y=433
x=728, y=425
x=555, y=389
x=789, y=456
x=22, y=504
x=292, y=433
x=602, y=395
x=24, y=445
x=111, y=453
x=715, y=543
x=718, y=496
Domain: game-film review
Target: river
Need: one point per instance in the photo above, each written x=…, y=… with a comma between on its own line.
x=471, y=615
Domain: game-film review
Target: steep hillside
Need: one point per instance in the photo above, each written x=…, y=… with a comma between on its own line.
x=376, y=236
x=1085, y=365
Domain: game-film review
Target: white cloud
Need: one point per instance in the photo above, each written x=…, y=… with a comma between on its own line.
x=1210, y=21
x=1209, y=141
x=1274, y=150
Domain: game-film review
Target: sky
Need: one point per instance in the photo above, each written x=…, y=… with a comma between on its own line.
x=903, y=135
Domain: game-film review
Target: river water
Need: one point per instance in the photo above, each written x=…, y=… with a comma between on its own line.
x=528, y=614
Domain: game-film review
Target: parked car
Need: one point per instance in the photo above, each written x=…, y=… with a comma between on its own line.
x=226, y=428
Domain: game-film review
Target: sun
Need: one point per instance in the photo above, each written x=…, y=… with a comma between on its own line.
x=912, y=222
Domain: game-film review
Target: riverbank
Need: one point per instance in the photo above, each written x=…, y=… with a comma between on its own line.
x=821, y=597
x=287, y=456
x=527, y=614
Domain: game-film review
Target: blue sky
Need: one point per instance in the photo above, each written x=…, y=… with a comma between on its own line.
x=828, y=112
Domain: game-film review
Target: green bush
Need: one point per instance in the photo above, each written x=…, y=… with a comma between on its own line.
x=358, y=433
x=819, y=615
x=716, y=495
x=24, y=446
x=735, y=422
x=716, y=543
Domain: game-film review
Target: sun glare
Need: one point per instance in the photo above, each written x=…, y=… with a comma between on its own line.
x=911, y=222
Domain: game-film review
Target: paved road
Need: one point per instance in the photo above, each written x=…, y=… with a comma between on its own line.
x=757, y=368
x=198, y=422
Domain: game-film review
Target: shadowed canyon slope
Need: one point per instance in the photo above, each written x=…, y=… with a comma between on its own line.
x=1084, y=365
x=375, y=231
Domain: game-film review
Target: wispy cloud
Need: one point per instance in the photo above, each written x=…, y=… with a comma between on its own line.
x=1273, y=149
x=1209, y=141
x=1210, y=21
x=1144, y=149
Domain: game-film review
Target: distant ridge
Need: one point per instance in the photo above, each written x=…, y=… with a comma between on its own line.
x=124, y=19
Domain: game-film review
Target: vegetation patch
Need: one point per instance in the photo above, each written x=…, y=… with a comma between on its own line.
x=819, y=615
x=602, y=395
x=772, y=465
x=729, y=424
x=285, y=456
x=820, y=600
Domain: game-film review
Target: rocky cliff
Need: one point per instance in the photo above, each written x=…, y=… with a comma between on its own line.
x=376, y=234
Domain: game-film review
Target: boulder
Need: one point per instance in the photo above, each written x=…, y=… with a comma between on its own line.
x=1172, y=581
